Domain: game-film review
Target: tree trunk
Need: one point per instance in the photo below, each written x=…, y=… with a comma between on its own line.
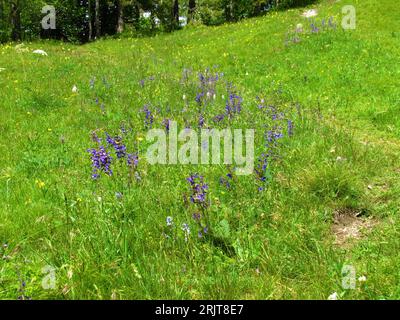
x=176, y=12
x=15, y=21
x=97, y=19
x=192, y=9
x=120, y=20
x=90, y=20
x=1, y=11
x=229, y=10
x=137, y=14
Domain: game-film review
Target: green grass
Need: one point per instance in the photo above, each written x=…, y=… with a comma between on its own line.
x=276, y=244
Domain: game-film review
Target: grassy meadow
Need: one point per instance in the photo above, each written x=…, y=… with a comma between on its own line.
x=328, y=197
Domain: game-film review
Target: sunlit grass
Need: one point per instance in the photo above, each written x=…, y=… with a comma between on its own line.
x=344, y=154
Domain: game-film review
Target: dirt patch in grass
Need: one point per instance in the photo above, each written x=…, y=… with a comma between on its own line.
x=350, y=225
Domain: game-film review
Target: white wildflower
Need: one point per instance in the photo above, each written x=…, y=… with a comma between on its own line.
x=70, y=273
x=41, y=52
x=333, y=296
x=169, y=221
x=310, y=13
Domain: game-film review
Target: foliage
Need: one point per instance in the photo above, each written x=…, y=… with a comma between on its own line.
x=74, y=18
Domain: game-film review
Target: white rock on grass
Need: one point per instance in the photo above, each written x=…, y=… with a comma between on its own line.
x=41, y=52
x=310, y=13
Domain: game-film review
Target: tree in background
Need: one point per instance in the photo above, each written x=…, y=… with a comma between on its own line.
x=83, y=20
x=97, y=19
x=120, y=17
x=191, y=9
x=175, y=13
x=89, y=18
x=15, y=18
x=4, y=26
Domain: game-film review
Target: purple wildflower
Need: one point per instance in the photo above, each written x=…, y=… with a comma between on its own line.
x=199, y=97
x=166, y=123
x=199, y=190
x=95, y=137
x=233, y=105
x=261, y=168
x=314, y=28
x=101, y=162
x=226, y=181
x=119, y=147
x=132, y=160
x=196, y=216
x=290, y=128
x=219, y=118
x=123, y=130
x=149, y=116
x=201, y=121
x=273, y=136
x=208, y=83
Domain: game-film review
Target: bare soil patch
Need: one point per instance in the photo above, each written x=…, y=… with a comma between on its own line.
x=349, y=225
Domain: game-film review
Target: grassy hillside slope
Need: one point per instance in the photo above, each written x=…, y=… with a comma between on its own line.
x=331, y=196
